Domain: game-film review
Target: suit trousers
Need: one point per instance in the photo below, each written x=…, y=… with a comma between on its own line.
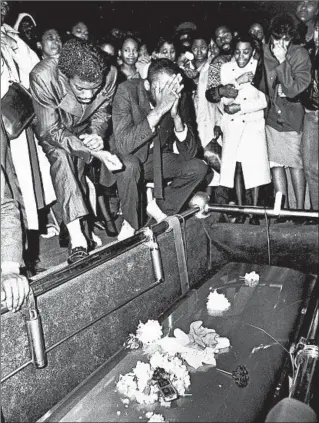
x=184, y=174
x=68, y=179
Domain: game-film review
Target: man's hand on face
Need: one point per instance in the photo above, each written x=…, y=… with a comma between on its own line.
x=231, y=109
x=228, y=91
x=174, y=109
x=14, y=290
x=92, y=141
x=166, y=97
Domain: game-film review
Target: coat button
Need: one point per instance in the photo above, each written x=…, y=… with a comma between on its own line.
x=245, y=98
x=243, y=121
x=279, y=112
x=232, y=120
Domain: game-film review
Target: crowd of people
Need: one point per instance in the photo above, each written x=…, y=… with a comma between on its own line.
x=235, y=114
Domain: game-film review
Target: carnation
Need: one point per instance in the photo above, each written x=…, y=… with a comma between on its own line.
x=251, y=279
x=217, y=303
x=149, y=332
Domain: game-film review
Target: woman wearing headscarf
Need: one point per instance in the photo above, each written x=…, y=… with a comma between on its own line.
x=26, y=27
x=31, y=166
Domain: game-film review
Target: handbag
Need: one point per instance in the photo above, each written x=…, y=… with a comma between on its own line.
x=17, y=110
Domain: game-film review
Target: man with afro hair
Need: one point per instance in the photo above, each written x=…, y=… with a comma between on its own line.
x=72, y=95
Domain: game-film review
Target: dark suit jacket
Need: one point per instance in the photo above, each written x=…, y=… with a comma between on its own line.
x=131, y=131
x=60, y=118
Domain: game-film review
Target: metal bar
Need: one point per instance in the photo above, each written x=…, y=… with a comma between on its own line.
x=261, y=211
x=44, y=283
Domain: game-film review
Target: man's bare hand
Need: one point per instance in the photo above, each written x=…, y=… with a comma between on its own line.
x=231, y=109
x=245, y=77
x=228, y=91
x=111, y=161
x=92, y=141
x=14, y=290
x=174, y=109
x=166, y=97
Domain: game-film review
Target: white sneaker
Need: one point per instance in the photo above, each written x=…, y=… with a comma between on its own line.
x=154, y=211
x=126, y=231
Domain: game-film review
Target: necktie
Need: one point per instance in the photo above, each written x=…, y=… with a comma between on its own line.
x=157, y=167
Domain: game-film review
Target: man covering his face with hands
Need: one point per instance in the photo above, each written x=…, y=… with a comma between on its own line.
x=149, y=117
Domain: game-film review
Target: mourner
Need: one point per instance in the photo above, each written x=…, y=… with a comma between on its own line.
x=288, y=74
x=72, y=96
x=149, y=116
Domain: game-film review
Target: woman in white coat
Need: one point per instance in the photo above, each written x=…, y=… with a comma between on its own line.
x=245, y=152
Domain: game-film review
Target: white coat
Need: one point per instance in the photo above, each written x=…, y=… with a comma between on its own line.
x=244, y=138
x=207, y=114
x=17, y=54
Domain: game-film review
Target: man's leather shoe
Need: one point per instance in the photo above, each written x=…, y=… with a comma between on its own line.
x=76, y=254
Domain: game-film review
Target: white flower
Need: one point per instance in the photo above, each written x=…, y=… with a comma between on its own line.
x=149, y=332
x=217, y=303
x=251, y=279
x=143, y=374
x=127, y=385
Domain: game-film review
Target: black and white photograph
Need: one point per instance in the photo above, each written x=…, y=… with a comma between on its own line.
x=159, y=211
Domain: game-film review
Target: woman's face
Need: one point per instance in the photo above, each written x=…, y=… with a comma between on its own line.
x=129, y=52
x=257, y=31
x=51, y=43
x=243, y=53
x=80, y=30
x=27, y=29
x=200, y=50
x=143, y=51
x=213, y=49
x=167, y=51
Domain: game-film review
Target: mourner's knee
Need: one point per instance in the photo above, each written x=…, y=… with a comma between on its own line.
x=196, y=168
